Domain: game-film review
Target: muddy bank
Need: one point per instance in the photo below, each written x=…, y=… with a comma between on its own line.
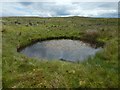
x=93, y=43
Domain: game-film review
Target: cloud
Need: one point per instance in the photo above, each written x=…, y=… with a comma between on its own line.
x=60, y=9
x=111, y=15
x=14, y=9
x=59, y=1
x=25, y=3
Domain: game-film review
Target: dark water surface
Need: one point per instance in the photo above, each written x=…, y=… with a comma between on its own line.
x=64, y=49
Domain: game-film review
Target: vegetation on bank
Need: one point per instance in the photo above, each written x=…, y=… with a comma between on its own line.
x=20, y=71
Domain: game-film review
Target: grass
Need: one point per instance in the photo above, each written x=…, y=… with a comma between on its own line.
x=19, y=71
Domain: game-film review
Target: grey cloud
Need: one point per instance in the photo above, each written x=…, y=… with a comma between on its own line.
x=110, y=5
x=94, y=5
x=26, y=3
x=46, y=9
x=109, y=15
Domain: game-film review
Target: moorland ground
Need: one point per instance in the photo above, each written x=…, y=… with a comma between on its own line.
x=20, y=71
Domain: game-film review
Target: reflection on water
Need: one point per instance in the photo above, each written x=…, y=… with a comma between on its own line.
x=69, y=50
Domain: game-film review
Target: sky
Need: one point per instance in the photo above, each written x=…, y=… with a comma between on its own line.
x=60, y=9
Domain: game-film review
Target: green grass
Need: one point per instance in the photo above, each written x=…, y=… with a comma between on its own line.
x=19, y=71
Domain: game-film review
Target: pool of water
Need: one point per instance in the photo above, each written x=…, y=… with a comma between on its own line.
x=64, y=49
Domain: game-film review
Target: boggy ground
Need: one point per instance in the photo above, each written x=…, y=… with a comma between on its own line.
x=20, y=71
